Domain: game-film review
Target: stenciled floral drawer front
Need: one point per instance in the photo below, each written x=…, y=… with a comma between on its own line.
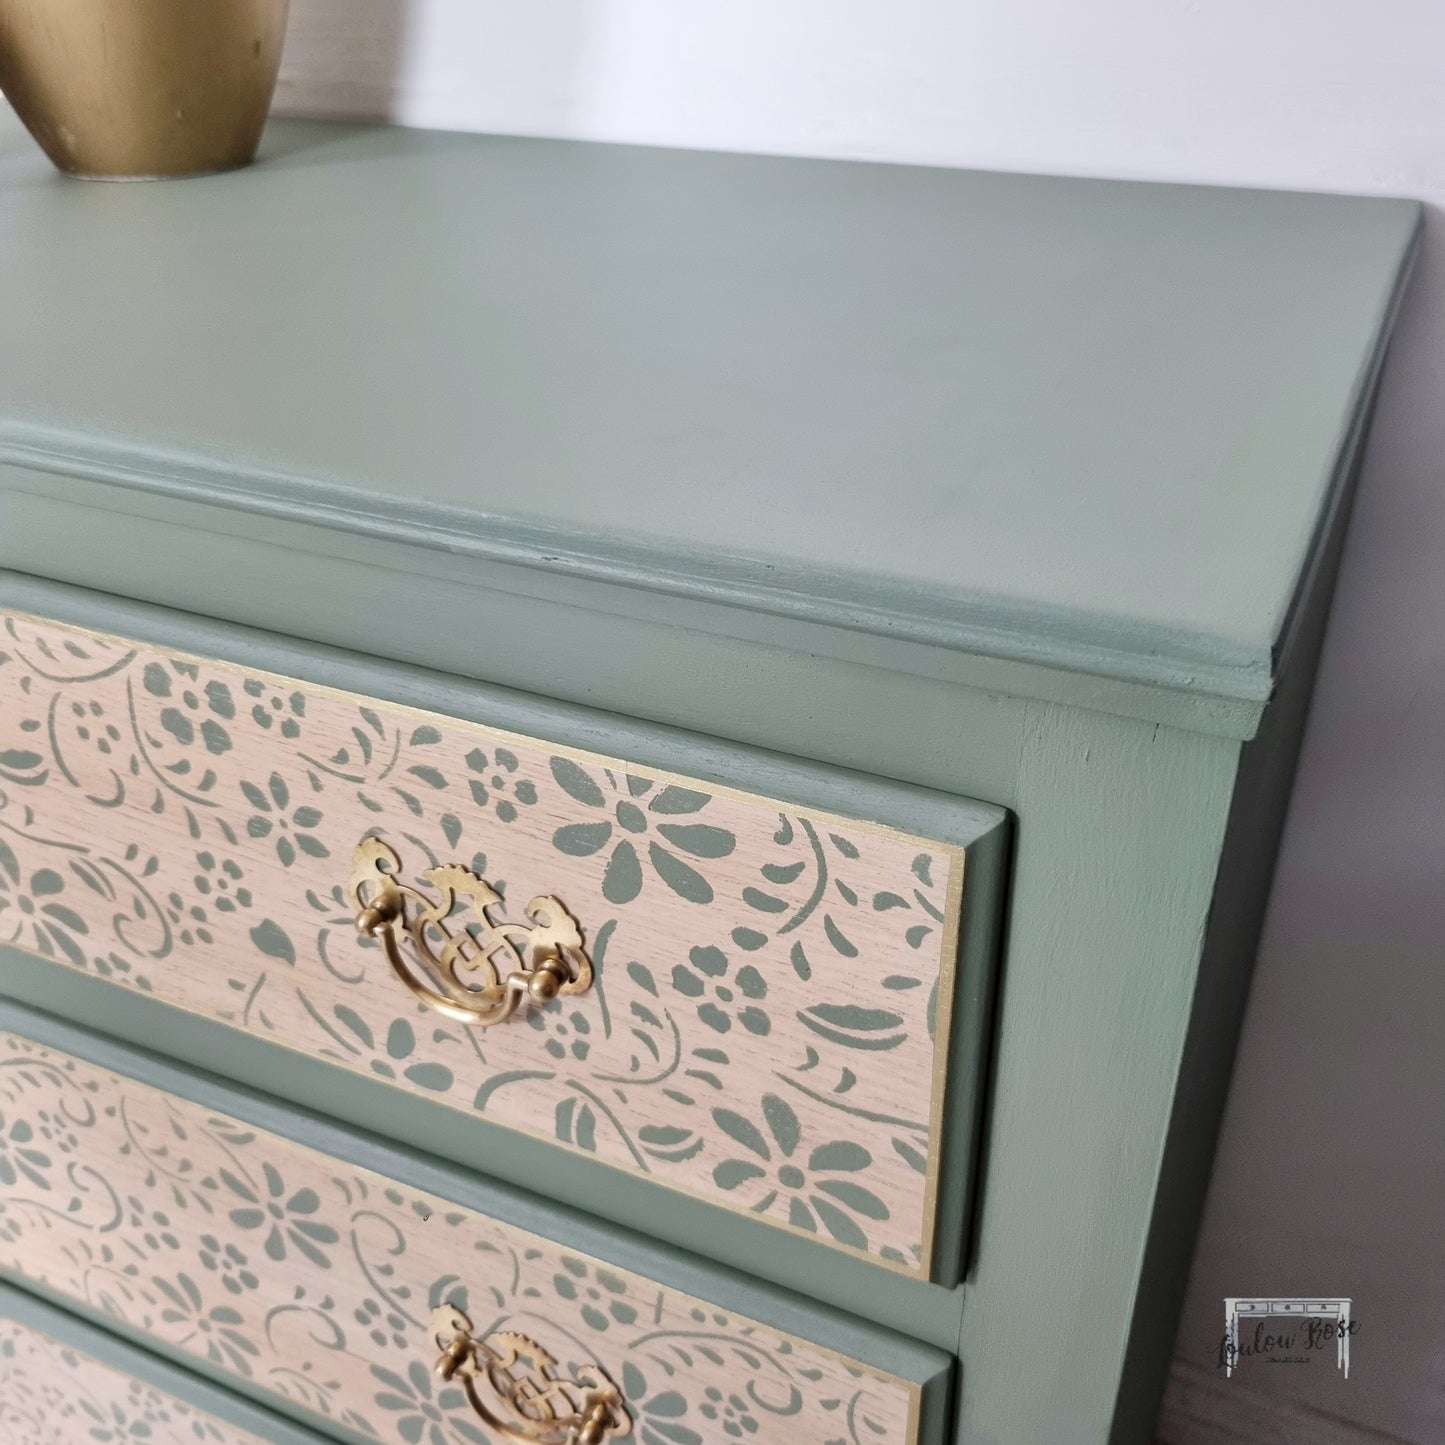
x=773, y=988
x=51, y=1394
x=324, y=1284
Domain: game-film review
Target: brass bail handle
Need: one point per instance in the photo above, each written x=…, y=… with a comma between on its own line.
x=517, y=1388
x=451, y=953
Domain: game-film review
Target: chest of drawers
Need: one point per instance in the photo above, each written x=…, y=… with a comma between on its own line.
x=636, y=788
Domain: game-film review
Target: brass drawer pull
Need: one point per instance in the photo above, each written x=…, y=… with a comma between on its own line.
x=476, y=971
x=525, y=1397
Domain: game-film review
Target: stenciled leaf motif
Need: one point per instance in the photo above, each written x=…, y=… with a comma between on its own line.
x=731, y=1173
x=854, y=1026
x=581, y=840
x=841, y=1226
x=641, y=975
x=355, y=1023
x=783, y=873
x=744, y=1132
x=215, y=737
x=273, y=941
x=840, y=940
x=576, y=783
x=806, y=901
x=13, y=762
x=764, y=902
x=436, y=1077
x=622, y=881
x=218, y=695
x=683, y=879
x=175, y=722
x=400, y=1039
x=782, y=1123
x=674, y=799
x=916, y=1160
x=699, y=839
x=670, y=1143
x=356, y=1263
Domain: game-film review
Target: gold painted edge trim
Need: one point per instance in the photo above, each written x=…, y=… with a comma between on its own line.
x=938, y=1085
x=914, y=1388
x=948, y=943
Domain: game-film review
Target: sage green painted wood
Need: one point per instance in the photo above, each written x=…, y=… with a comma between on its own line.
x=1251, y=843
x=540, y=632
x=110, y=1349
x=1120, y=826
x=948, y=817
x=1121, y=823
x=1135, y=901
x=1119, y=836
x=859, y=1339
x=1105, y=416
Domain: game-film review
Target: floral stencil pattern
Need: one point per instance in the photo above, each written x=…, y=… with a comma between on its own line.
x=54, y=1395
x=185, y=828
x=315, y=1281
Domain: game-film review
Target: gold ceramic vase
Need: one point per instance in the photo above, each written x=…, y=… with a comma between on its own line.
x=142, y=88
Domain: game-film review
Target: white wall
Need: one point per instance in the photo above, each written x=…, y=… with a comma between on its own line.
x=1332, y=1171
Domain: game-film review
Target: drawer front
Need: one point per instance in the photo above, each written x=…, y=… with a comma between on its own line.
x=338, y=1289
x=776, y=991
x=53, y=1394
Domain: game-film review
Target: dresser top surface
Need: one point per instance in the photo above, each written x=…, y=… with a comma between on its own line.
x=1037, y=416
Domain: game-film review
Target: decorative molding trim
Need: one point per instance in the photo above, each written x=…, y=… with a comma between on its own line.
x=997, y=628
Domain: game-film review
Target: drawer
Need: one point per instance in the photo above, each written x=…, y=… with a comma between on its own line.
x=774, y=1001
x=321, y=1280
x=65, y=1382
x=51, y=1394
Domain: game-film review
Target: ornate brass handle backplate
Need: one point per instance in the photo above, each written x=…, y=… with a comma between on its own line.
x=474, y=970
x=514, y=1385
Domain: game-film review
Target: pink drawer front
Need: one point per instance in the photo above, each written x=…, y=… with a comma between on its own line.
x=53, y=1394
x=336, y=1289
x=780, y=1002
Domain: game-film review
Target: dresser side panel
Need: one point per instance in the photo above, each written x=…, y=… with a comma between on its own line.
x=1120, y=826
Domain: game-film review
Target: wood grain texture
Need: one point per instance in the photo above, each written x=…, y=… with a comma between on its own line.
x=314, y=1281
x=52, y=1394
x=1201, y=1407
x=771, y=1020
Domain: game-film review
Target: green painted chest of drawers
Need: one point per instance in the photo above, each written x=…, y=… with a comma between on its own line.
x=636, y=787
